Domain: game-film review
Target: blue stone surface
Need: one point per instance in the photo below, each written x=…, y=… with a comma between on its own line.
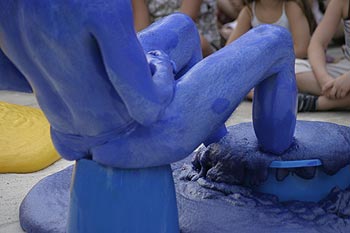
x=209, y=205
x=45, y=208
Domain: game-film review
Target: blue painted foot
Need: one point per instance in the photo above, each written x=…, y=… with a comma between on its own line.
x=107, y=199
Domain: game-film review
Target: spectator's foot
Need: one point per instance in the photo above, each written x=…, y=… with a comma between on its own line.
x=307, y=103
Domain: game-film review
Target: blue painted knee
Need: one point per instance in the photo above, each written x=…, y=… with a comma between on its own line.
x=279, y=36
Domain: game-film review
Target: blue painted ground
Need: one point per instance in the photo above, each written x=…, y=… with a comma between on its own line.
x=208, y=206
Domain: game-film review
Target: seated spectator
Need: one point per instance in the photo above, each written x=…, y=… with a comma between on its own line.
x=228, y=11
x=296, y=16
x=326, y=85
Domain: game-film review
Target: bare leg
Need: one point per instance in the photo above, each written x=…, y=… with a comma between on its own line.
x=250, y=95
x=325, y=104
x=206, y=48
x=307, y=83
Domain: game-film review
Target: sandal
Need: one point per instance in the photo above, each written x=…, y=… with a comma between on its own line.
x=306, y=102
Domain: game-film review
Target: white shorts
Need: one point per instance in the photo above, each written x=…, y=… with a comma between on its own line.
x=334, y=69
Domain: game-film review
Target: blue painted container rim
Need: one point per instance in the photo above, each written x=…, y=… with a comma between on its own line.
x=314, y=189
x=296, y=163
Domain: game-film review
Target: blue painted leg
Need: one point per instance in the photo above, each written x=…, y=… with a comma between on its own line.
x=216, y=136
x=107, y=199
x=274, y=111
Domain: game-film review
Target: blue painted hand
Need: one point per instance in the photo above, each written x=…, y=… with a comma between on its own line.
x=163, y=72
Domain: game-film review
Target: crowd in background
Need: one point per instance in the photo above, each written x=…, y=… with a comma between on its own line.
x=323, y=81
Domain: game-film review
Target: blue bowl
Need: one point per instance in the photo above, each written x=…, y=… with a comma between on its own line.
x=294, y=187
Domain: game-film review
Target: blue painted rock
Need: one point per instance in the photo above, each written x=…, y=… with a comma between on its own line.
x=238, y=158
x=208, y=205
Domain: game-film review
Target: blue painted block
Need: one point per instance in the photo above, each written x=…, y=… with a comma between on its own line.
x=105, y=199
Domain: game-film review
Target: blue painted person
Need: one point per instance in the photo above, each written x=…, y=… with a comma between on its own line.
x=10, y=77
x=139, y=100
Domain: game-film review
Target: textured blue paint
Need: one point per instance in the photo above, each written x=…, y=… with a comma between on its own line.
x=47, y=202
x=237, y=158
x=216, y=136
x=133, y=101
x=220, y=105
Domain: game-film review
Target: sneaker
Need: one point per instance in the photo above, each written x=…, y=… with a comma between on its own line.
x=306, y=102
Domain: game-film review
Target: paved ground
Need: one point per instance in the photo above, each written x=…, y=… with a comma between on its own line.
x=13, y=187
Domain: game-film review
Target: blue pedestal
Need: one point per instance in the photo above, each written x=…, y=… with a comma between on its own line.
x=107, y=199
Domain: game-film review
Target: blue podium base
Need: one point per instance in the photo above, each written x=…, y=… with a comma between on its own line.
x=209, y=204
x=204, y=207
x=107, y=199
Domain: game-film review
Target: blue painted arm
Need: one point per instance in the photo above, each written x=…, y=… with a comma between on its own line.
x=127, y=67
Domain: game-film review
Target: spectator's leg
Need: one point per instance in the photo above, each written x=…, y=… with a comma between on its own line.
x=325, y=104
x=307, y=83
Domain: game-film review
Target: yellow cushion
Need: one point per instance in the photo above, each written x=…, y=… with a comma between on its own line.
x=25, y=142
